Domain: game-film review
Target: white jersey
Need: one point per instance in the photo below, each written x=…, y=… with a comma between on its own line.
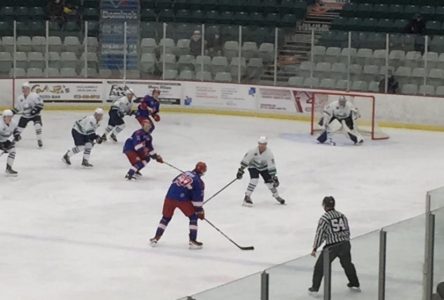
x=123, y=105
x=340, y=112
x=260, y=161
x=87, y=125
x=25, y=105
x=7, y=131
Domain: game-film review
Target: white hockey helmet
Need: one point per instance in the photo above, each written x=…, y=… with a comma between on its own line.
x=7, y=113
x=26, y=85
x=98, y=111
x=262, y=140
x=342, y=100
x=129, y=92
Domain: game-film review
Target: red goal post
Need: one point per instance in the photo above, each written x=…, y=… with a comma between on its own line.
x=366, y=104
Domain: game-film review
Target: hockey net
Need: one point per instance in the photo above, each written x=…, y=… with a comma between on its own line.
x=367, y=124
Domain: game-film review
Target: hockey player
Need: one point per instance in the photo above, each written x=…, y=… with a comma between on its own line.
x=340, y=115
x=139, y=150
x=84, y=135
x=186, y=193
x=149, y=107
x=9, y=134
x=120, y=108
x=260, y=160
x=30, y=105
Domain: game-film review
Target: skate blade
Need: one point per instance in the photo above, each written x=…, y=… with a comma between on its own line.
x=314, y=294
x=11, y=175
x=194, y=247
x=247, y=204
x=355, y=289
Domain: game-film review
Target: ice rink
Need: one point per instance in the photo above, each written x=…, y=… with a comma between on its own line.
x=72, y=233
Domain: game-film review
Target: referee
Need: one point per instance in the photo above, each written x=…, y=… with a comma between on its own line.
x=333, y=229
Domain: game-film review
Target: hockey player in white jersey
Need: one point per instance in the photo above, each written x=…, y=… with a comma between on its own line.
x=340, y=115
x=9, y=134
x=260, y=160
x=120, y=108
x=29, y=105
x=84, y=135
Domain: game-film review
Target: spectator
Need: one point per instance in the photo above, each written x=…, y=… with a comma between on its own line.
x=416, y=25
x=196, y=43
x=55, y=9
x=71, y=13
x=215, y=44
x=392, y=84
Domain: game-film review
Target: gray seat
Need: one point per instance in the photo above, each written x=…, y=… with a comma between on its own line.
x=36, y=60
x=92, y=44
x=296, y=81
x=170, y=46
x=370, y=72
x=204, y=76
x=223, y=77
x=305, y=68
x=340, y=68
x=148, y=63
x=105, y=73
x=5, y=62
x=319, y=53
x=355, y=71
x=8, y=43
x=148, y=45
x=418, y=75
x=54, y=60
x=255, y=67
x=19, y=72
x=34, y=73
x=439, y=91
x=24, y=43
x=219, y=64
x=266, y=52
x=72, y=44
x=170, y=62
x=345, y=52
x=427, y=90
x=410, y=89
x=327, y=83
x=432, y=59
x=440, y=63
x=90, y=73
x=311, y=82
x=55, y=43
x=234, y=67
x=52, y=72
x=92, y=59
x=186, y=75
x=38, y=43
x=359, y=85
x=21, y=60
x=373, y=86
x=231, y=49
x=249, y=50
x=68, y=72
x=436, y=77
x=332, y=54
x=183, y=47
x=363, y=56
x=204, y=61
x=379, y=57
x=186, y=62
x=395, y=57
x=170, y=74
x=413, y=59
x=322, y=69
x=403, y=74
x=68, y=59
x=133, y=74
x=341, y=84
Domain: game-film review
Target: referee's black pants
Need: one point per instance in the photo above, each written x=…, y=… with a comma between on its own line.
x=341, y=250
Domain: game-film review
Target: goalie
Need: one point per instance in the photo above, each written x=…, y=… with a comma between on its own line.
x=340, y=115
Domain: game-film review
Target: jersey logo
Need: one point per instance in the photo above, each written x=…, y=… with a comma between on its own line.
x=338, y=224
x=184, y=180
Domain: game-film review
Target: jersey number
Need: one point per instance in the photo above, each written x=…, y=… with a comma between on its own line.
x=338, y=225
x=184, y=180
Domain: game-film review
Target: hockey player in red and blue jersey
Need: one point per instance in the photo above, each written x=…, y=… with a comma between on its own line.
x=185, y=193
x=149, y=107
x=139, y=150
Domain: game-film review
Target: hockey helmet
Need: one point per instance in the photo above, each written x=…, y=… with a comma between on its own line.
x=129, y=91
x=201, y=168
x=98, y=111
x=26, y=85
x=146, y=125
x=342, y=100
x=328, y=202
x=262, y=140
x=156, y=90
x=7, y=113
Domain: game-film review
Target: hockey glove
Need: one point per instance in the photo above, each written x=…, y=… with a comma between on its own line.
x=158, y=158
x=36, y=110
x=200, y=214
x=6, y=145
x=275, y=181
x=240, y=173
x=17, y=137
x=156, y=117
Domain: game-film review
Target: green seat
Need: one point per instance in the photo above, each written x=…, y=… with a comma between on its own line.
x=207, y=5
x=400, y=25
x=197, y=16
x=349, y=9
x=148, y=15
x=22, y=28
x=409, y=12
x=37, y=28
x=340, y=23
x=36, y=13
x=91, y=3
x=256, y=18
x=380, y=10
x=7, y=13
x=166, y=15
x=439, y=13
x=363, y=10
x=395, y=10
x=225, y=17
x=91, y=13
x=71, y=28
x=241, y=18
x=213, y=17
x=54, y=29
x=288, y=6
x=249, y=33
x=369, y=24
x=22, y=13
x=428, y=12
x=271, y=6
x=151, y=30
x=288, y=20
x=148, y=4
x=93, y=28
x=272, y=19
x=226, y=5
x=6, y=28
x=184, y=15
x=229, y=33
x=164, y=4
x=254, y=6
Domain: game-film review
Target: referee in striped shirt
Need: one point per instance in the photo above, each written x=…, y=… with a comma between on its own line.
x=333, y=229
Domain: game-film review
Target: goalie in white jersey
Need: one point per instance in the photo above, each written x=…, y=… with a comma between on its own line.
x=340, y=115
x=84, y=135
x=9, y=134
x=260, y=161
x=29, y=105
x=120, y=108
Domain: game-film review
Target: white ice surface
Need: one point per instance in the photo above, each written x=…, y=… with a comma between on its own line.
x=73, y=233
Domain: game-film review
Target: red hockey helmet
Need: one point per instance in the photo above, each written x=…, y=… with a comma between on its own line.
x=201, y=168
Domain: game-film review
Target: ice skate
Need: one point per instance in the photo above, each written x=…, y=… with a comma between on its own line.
x=10, y=171
x=66, y=159
x=247, y=201
x=129, y=176
x=86, y=164
x=103, y=138
x=280, y=200
x=313, y=292
x=153, y=241
x=138, y=174
x=40, y=143
x=113, y=137
x=354, y=288
x=195, y=245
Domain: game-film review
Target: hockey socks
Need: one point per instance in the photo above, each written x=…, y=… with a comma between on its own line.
x=162, y=226
x=251, y=186
x=193, y=227
x=38, y=133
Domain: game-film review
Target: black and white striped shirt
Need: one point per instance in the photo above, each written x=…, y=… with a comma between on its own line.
x=332, y=228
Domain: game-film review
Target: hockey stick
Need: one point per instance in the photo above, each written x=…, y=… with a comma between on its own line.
x=236, y=244
x=170, y=165
x=217, y=193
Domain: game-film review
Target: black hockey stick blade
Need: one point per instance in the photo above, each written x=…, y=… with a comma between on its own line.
x=228, y=238
x=246, y=248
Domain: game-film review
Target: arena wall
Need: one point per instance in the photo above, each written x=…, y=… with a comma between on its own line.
x=414, y=112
